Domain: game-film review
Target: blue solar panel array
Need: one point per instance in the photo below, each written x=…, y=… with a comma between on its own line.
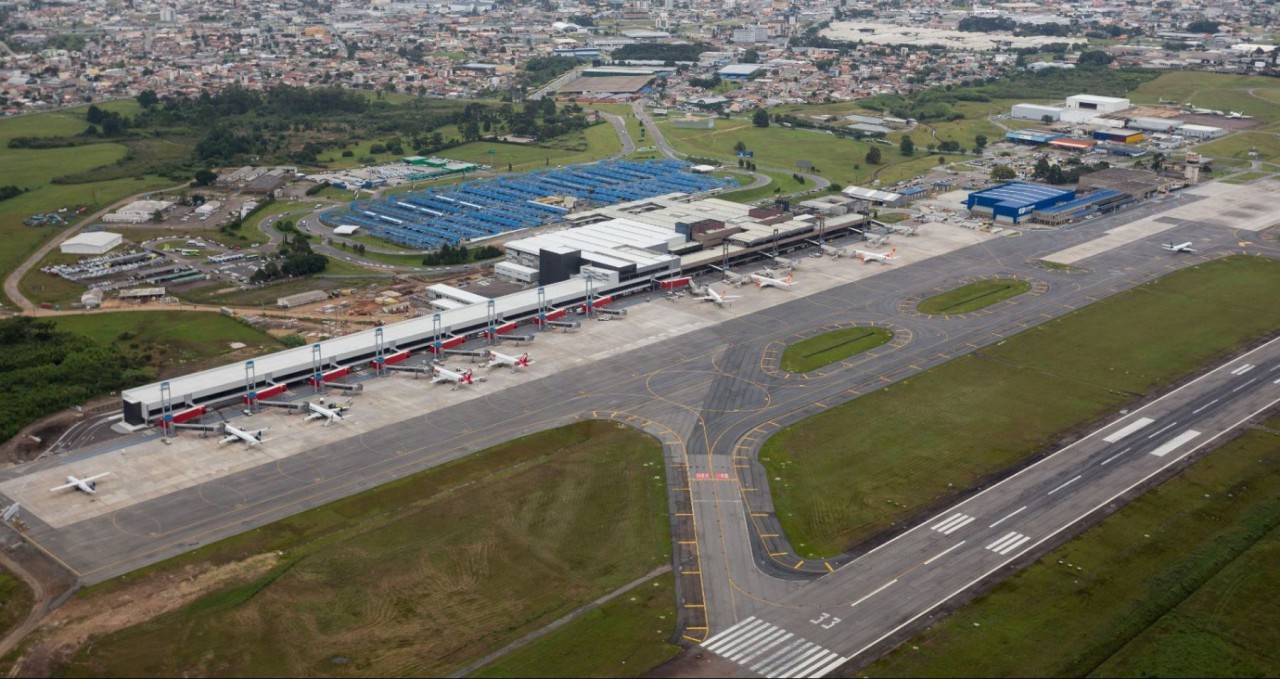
x=430, y=219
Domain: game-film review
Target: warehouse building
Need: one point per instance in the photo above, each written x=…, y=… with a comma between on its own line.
x=1200, y=132
x=1137, y=184
x=93, y=243
x=1119, y=136
x=1010, y=203
x=1093, y=102
x=1035, y=112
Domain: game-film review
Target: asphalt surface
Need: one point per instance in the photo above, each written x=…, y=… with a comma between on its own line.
x=713, y=396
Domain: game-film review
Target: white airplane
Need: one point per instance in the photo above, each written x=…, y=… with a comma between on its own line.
x=868, y=257
x=331, y=415
x=832, y=250
x=763, y=281
x=235, y=433
x=1180, y=247
x=1237, y=114
x=86, y=485
x=499, y=358
x=720, y=299
x=459, y=378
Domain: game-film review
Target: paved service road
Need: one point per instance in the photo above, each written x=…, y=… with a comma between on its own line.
x=712, y=396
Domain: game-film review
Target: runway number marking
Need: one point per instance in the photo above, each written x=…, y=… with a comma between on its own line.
x=826, y=621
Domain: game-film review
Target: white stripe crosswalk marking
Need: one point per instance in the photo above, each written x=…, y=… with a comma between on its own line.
x=1016, y=544
x=795, y=659
x=830, y=666
x=816, y=661
x=713, y=642
x=745, y=638
x=948, y=521
x=729, y=642
x=785, y=655
x=762, y=649
x=1004, y=541
x=771, y=656
x=739, y=654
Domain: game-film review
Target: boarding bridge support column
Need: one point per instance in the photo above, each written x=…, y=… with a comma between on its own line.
x=542, y=307
x=317, y=368
x=251, y=386
x=436, y=334
x=492, y=321
x=379, y=351
x=166, y=408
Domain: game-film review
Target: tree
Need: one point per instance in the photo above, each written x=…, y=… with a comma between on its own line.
x=980, y=142
x=1094, y=58
x=751, y=56
x=148, y=99
x=1003, y=173
x=906, y=146
x=873, y=156
x=760, y=118
x=1046, y=119
x=205, y=177
x=739, y=147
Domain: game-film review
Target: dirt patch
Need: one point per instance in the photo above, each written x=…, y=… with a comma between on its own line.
x=37, y=437
x=82, y=619
x=694, y=662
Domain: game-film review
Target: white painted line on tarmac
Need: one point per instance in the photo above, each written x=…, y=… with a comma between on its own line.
x=1197, y=410
x=1132, y=427
x=1176, y=441
x=967, y=520
x=1010, y=516
x=879, y=589
x=943, y=553
x=999, y=544
x=823, y=672
x=1077, y=478
x=1162, y=430
x=1117, y=455
x=1014, y=545
x=1243, y=369
x=1244, y=385
x=954, y=518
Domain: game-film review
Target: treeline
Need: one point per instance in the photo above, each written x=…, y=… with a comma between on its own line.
x=449, y=254
x=1057, y=174
x=47, y=370
x=294, y=258
x=7, y=192
x=660, y=52
x=539, y=71
x=281, y=102
x=975, y=24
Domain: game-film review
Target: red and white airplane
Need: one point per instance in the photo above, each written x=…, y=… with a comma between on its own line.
x=868, y=257
x=720, y=299
x=234, y=433
x=458, y=378
x=86, y=485
x=499, y=358
x=763, y=281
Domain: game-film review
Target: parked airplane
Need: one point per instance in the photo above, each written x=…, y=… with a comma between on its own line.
x=331, y=415
x=235, y=433
x=720, y=299
x=86, y=485
x=832, y=250
x=868, y=257
x=458, y=378
x=765, y=281
x=1237, y=114
x=1180, y=247
x=499, y=358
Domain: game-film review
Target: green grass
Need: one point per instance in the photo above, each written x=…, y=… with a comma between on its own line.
x=829, y=347
x=928, y=437
x=974, y=296
x=176, y=338
x=15, y=601
x=1214, y=90
x=268, y=294
x=1239, y=144
x=421, y=575
x=1181, y=582
x=1247, y=177
x=894, y=217
x=627, y=637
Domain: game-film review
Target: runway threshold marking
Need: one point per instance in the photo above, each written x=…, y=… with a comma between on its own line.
x=1008, y=543
x=953, y=523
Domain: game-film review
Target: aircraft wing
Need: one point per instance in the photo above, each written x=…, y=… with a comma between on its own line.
x=230, y=438
x=62, y=487
x=95, y=477
x=314, y=416
x=437, y=379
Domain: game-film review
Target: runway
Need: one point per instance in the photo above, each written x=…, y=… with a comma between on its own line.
x=713, y=395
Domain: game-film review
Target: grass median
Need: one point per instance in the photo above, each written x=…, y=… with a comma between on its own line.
x=422, y=575
x=829, y=347
x=1178, y=583
x=15, y=601
x=931, y=436
x=974, y=296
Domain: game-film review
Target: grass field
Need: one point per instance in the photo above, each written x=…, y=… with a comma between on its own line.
x=268, y=294
x=1239, y=145
x=15, y=601
x=176, y=338
x=1247, y=177
x=974, y=296
x=1179, y=583
x=930, y=436
x=627, y=637
x=421, y=575
x=829, y=347
x=1214, y=90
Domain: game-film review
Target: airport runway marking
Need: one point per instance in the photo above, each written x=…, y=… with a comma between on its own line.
x=876, y=591
x=943, y=553
x=1008, y=543
x=1008, y=516
x=1117, y=455
x=953, y=523
x=1077, y=478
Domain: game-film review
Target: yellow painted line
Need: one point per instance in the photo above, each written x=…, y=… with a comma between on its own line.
x=695, y=605
x=777, y=553
x=687, y=542
x=759, y=513
x=746, y=489
x=829, y=568
x=696, y=641
x=798, y=564
x=768, y=535
x=691, y=573
x=688, y=514
x=697, y=627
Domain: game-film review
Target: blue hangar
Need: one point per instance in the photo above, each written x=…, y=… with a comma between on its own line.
x=1012, y=202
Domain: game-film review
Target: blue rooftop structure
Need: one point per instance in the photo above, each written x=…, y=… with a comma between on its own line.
x=1031, y=136
x=479, y=209
x=1015, y=200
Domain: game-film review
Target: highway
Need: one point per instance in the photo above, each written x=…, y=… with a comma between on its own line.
x=712, y=396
